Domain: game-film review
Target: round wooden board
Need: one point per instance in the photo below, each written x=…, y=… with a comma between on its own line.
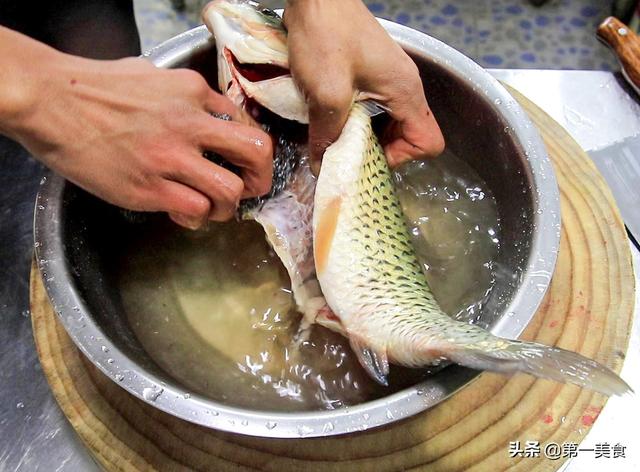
x=587, y=309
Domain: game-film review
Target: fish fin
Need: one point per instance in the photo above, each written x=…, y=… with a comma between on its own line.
x=373, y=108
x=374, y=361
x=544, y=362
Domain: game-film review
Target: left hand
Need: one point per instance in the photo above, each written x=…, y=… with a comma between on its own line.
x=337, y=49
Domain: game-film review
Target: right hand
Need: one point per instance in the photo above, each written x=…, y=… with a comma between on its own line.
x=134, y=135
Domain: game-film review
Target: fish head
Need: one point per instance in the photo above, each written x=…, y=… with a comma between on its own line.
x=255, y=35
x=253, y=62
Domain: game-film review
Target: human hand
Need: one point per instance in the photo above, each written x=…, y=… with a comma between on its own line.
x=337, y=50
x=134, y=136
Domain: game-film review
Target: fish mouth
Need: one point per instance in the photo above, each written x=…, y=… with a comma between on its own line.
x=248, y=84
x=255, y=72
x=253, y=62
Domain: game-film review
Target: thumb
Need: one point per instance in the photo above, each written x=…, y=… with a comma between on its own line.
x=414, y=134
x=328, y=112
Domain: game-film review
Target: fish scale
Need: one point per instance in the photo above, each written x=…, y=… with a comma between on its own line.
x=389, y=300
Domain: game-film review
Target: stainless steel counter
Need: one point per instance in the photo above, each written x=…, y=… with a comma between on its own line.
x=595, y=107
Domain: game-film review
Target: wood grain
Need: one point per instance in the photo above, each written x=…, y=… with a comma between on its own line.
x=588, y=309
x=626, y=44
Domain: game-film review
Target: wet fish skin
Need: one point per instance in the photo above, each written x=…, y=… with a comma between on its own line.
x=373, y=282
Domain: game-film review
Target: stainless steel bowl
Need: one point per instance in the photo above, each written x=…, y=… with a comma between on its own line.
x=76, y=238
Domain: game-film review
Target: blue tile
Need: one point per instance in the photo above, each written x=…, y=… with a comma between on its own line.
x=403, y=18
x=578, y=22
x=562, y=28
x=492, y=59
x=542, y=20
x=376, y=7
x=528, y=57
x=525, y=24
x=449, y=10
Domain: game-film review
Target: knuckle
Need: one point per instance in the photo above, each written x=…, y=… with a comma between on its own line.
x=408, y=79
x=198, y=207
x=229, y=191
x=221, y=212
x=235, y=188
x=263, y=186
x=174, y=113
x=141, y=180
x=264, y=146
x=193, y=81
x=331, y=97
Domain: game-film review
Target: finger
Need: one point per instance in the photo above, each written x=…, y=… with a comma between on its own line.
x=218, y=103
x=328, y=111
x=186, y=206
x=249, y=148
x=221, y=187
x=414, y=135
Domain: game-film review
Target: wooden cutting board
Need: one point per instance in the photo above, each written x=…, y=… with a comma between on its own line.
x=587, y=309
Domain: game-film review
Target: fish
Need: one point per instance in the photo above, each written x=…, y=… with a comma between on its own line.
x=343, y=237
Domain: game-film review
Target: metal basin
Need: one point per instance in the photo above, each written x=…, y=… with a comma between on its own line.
x=78, y=239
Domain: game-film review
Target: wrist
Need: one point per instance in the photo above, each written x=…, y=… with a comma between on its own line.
x=26, y=76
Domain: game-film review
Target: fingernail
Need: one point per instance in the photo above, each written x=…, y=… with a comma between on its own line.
x=186, y=221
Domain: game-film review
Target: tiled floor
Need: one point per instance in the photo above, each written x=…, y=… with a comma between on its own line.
x=495, y=33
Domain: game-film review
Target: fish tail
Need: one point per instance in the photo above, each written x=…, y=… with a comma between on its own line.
x=541, y=361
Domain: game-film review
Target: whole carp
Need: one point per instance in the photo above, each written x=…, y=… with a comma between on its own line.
x=343, y=238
